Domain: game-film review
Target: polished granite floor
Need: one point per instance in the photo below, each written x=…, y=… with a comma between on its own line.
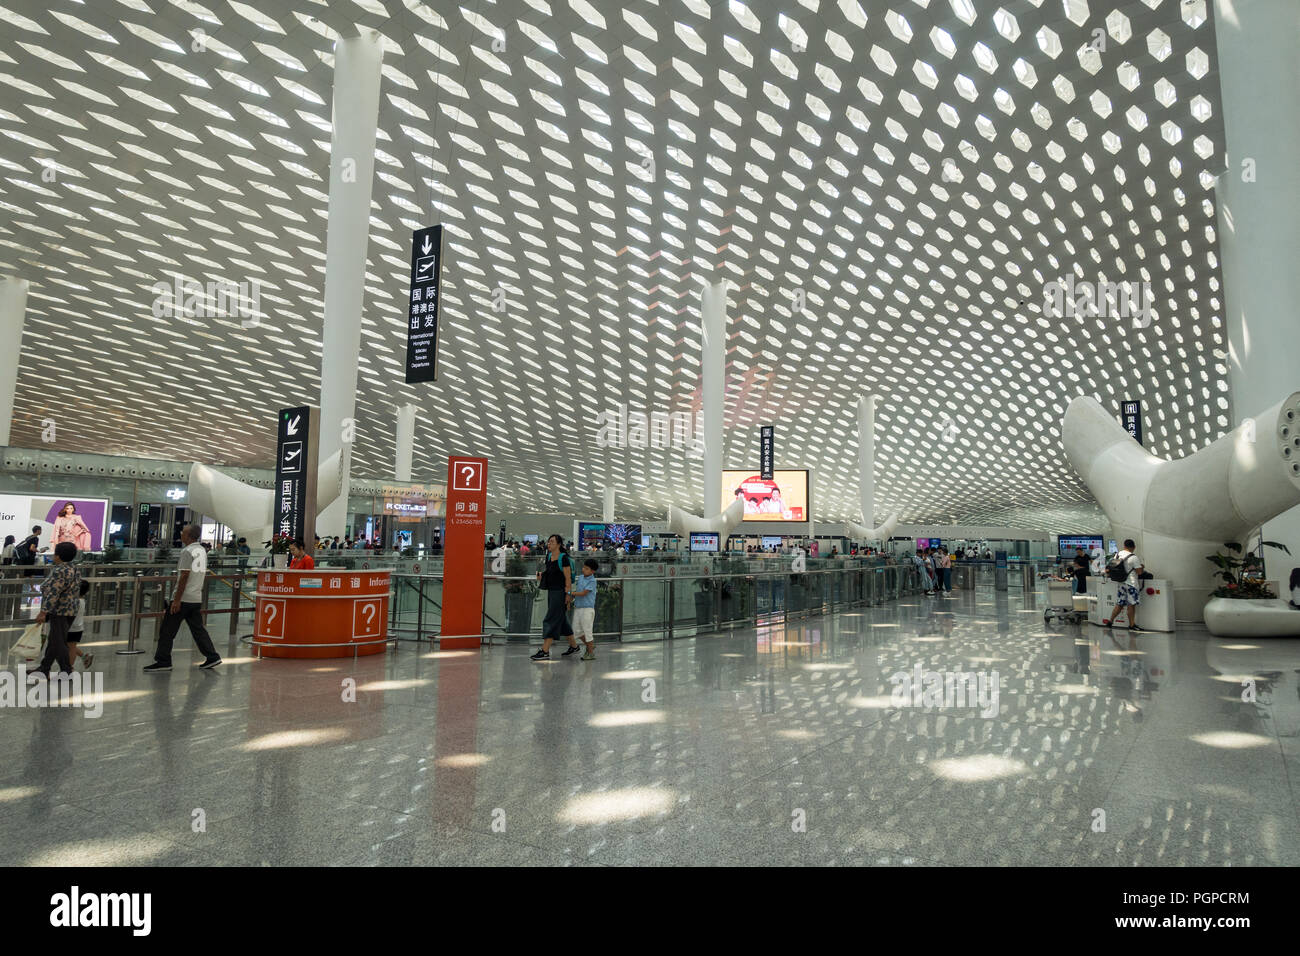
x=776, y=745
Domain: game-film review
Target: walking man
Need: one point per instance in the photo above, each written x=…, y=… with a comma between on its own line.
x=1130, y=566
x=186, y=605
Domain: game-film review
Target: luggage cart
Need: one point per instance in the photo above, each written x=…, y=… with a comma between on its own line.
x=1063, y=605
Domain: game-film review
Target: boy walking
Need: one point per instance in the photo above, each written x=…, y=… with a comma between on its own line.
x=584, y=607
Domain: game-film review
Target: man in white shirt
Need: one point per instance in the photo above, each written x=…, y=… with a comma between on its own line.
x=186, y=605
x=1129, y=590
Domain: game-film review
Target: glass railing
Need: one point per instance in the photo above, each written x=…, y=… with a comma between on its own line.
x=644, y=601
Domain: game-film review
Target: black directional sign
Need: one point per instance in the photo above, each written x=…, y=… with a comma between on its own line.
x=294, y=513
x=767, y=451
x=1131, y=412
x=422, y=304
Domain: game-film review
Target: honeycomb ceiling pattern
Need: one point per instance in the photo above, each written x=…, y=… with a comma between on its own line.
x=911, y=172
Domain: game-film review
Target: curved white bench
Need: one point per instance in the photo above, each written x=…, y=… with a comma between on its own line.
x=1229, y=617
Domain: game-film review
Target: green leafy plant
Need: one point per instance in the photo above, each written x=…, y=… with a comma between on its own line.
x=112, y=553
x=279, y=544
x=163, y=553
x=1238, y=573
x=516, y=568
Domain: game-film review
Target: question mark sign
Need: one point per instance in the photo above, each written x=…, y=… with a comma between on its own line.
x=271, y=612
x=369, y=610
x=467, y=471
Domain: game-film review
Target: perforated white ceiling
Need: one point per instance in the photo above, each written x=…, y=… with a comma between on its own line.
x=912, y=171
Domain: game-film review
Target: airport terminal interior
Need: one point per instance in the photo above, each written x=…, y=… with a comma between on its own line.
x=649, y=433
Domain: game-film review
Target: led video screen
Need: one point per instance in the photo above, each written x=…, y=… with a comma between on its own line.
x=703, y=541
x=783, y=497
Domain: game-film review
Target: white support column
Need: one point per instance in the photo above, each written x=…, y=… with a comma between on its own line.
x=867, y=458
x=607, y=511
x=1259, y=234
x=357, y=63
x=713, y=359
x=405, y=442
x=13, y=313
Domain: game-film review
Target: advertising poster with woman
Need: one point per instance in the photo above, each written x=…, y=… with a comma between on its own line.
x=83, y=521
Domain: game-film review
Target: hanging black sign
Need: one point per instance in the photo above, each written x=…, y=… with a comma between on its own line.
x=295, y=472
x=422, y=305
x=767, y=451
x=1131, y=412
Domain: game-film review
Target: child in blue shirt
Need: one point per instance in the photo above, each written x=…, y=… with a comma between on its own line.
x=584, y=607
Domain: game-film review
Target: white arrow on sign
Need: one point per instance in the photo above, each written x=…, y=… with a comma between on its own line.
x=292, y=428
x=427, y=246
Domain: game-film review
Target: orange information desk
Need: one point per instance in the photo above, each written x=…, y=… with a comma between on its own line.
x=321, y=613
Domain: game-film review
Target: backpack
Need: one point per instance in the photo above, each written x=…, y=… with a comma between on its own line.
x=1117, y=569
x=23, y=553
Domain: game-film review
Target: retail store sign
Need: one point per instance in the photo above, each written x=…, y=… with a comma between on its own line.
x=1131, y=413
x=422, y=305
x=462, y=574
x=297, y=433
x=175, y=494
x=767, y=451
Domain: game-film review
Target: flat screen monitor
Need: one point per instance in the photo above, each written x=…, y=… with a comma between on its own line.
x=591, y=535
x=704, y=541
x=783, y=497
x=647, y=541
x=771, y=541
x=617, y=535
x=923, y=543
x=1067, y=545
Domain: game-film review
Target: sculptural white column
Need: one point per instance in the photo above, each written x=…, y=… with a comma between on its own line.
x=1178, y=512
x=1257, y=199
x=357, y=72
x=607, y=507
x=867, y=478
x=405, y=442
x=247, y=509
x=13, y=315
x=713, y=358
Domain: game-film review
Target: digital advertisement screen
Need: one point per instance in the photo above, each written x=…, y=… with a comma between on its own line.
x=530, y=539
x=703, y=541
x=20, y=513
x=1069, y=544
x=783, y=497
x=771, y=541
x=596, y=536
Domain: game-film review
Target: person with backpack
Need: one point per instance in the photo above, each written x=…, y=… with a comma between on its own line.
x=556, y=579
x=1124, y=569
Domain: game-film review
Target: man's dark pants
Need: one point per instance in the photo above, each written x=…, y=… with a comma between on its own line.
x=191, y=614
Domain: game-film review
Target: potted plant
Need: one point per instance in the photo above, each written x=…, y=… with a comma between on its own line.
x=279, y=548
x=609, y=608
x=1242, y=576
x=704, y=599
x=111, y=553
x=520, y=594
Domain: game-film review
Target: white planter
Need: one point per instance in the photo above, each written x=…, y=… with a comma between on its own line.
x=1232, y=617
x=279, y=560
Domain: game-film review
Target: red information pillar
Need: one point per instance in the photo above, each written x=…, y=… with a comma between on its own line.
x=462, y=566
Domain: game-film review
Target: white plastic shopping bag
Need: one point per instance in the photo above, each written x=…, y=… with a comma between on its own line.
x=28, y=647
